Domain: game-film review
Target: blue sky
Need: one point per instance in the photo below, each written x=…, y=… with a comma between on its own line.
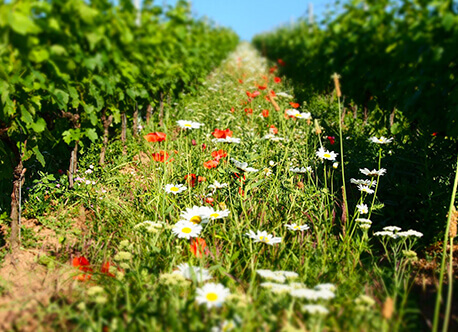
x=250, y=17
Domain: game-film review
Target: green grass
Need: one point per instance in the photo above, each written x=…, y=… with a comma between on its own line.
x=143, y=296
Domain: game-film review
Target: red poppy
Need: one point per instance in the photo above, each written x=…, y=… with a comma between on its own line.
x=161, y=156
x=272, y=93
x=294, y=105
x=155, y=137
x=193, y=142
x=211, y=164
x=201, y=179
x=277, y=79
x=262, y=87
x=232, y=109
x=253, y=94
x=219, y=154
x=106, y=269
x=273, y=130
x=82, y=264
x=240, y=81
x=331, y=139
x=198, y=247
x=281, y=62
x=273, y=69
x=435, y=133
x=60, y=171
x=265, y=113
x=217, y=133
x=191, y=178
x=248, y=111
x=209, y=200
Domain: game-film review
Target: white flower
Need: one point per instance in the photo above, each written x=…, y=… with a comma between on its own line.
x=267, y=171
x=288, y=274
x=283, y=95
x=272, y=163
x=410, y=233
x=312, y=294
x=243, y=166
x=370, y=183
x=88, y=171
x=212, y=295
x=280, y=289
x=217, y=185
x=364, y=226
x=325, y=154
x=374, y=172
x=91, y=166
x=381, y=140
x=271, y=275
x=219, y=214
x=335, y=165
x=185, y=124
x=362, y=208
x=262, y=236
x=297, y=114
x=150, y=226
x=273, y=137
x=301, y=170
x=315, y=309
x=228, y=139
x=364, y=221
x=386, y=233
x=197, y=214
x=175, y=188
x=365, y=189
x=186, y=229
x=392, y=228
x=328, y=287
x=193, y=272
x=226, y=326
x=294, y=227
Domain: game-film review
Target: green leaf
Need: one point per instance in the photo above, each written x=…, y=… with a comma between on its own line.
x=91, y=134
x=38, y=55
x=22, y=24
x=39, y=156
x=39, y=125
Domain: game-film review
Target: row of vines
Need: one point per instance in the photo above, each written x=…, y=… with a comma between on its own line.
x=71, y=69
x=396, y=55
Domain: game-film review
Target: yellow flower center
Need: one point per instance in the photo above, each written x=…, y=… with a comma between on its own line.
x=175, y=189
x=296, y=227
x=196, y=219
x=186, y=230
x=214, y=215
x=212, y=297
x=187, y=125
x=264, y=239
x=327, y=155
x=298, y=115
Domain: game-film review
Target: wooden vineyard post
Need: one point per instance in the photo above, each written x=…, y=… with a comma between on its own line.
x=106, y=121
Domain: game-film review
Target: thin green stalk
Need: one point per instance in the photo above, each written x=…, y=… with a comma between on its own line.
x=450, y=288
x=344, y=193
x=441, y=276
x=376, y=185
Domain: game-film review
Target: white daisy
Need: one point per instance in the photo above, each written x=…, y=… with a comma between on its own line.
x=365, y=189
x=325, y=154
x=195, y=273
x=197, y=214
x=212, y=295
x=294, y=227
x=185, y=124
x=381, y=140
x=267, y=171
x=262, y=236
x=315, y=309
x=185, y=229
x=362, y=208
x=219, y=214
x=175, y=188
x=273, y=137
x=374, y=172
x=217, y=185
x=301, y=170
x=243, y=166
